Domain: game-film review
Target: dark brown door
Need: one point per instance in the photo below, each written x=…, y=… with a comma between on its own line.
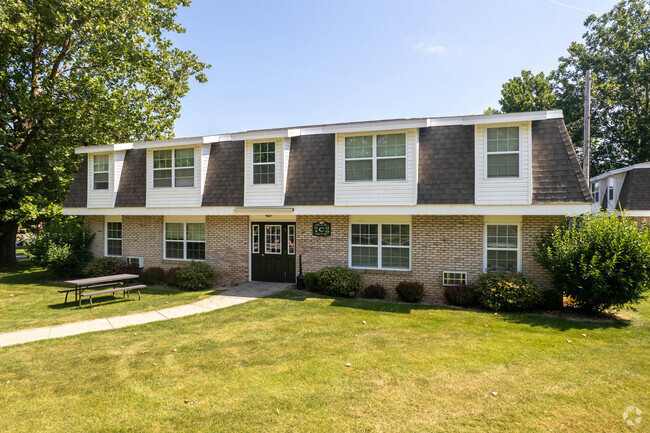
x=273, y=252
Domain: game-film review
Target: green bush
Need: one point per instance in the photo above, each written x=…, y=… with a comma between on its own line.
x=311, y=281
x=153, y=276
x=195, y=276
x=170, y=276
x=507, y=291
x=103, y=266
x=339, y=281
x=462, y=296
x=61, y=247
x=375, y=291
x=410, y=291
x=552, y=299
x=600, y=261
x=130, y=269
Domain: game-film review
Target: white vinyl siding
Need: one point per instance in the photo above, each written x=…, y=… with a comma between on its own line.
x=364, y=168
x=507, y=190
x=270, y=194
x=182, y=196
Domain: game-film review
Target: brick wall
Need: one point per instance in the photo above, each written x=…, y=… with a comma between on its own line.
x=227, y=248
x=532, y=228
x=142, y=236
x=95, y=224
x=321, y=251
x=641, y=220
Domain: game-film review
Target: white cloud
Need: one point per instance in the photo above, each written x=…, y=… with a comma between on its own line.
x=432, y=49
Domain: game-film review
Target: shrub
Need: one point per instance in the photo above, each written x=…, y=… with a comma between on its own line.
x=506, y=291
x=552, y=299
x=311, y=281
x=195, y=276
x=410, y=291
x=599, y=260
x=339, y=281
x=103, y=266
x=170, y=276
x=462, y=296
x=130, y=269
x=61, y=247
x=375, y=291
x=153, y=276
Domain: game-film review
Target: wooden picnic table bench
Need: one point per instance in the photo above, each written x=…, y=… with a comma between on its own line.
x=91, y=283
x=124, y=289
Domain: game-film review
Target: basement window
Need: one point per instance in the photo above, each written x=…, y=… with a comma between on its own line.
x=454, y=278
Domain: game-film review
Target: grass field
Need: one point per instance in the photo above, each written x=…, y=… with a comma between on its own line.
x=28, y=300
x=279, y=365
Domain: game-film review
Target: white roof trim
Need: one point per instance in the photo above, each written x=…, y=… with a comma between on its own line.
x=104, y=148
x=379, y=125
x=620, y=170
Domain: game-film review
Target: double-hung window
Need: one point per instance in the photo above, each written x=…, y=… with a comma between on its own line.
x=380, y=246
x=378, y=157
x=263, y=163
x=173, y=167
x=114, y=238
x=185, y=241
x=502, y=248
x=503, y=152
x=100, y=172
x=595, y=191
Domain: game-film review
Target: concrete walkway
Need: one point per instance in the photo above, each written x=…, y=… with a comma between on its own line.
x=237, y=295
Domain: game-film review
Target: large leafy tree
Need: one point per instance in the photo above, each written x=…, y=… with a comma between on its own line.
x=616, y=47
x=76, y=73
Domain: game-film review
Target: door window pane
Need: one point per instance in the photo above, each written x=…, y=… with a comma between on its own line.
x=291, y=239
x=273, y=239
x=256, y=239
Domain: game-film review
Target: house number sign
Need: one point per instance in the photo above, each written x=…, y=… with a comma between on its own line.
x=322, y=228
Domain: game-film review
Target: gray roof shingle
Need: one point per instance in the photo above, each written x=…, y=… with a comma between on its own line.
x=310, y=177
x=635, y=192
x=78, y=192
x=557, y=175
x=224, y=182
x=446, y=166
x=132, y=191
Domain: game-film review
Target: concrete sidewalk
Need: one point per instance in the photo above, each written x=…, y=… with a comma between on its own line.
x=237, y=295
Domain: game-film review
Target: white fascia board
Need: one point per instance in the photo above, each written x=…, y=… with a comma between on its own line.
x=620, y=170
x=481, y=119
x=104, y=148
x=470, y=209
x=168, y=143
x=369, y=126
x=260, y=135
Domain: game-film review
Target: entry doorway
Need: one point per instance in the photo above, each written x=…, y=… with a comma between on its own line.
x=273, y=251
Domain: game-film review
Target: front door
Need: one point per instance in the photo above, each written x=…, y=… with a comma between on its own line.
x=273, y=252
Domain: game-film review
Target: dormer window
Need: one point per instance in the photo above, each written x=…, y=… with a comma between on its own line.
x=503, y=152
x=263, y=163
x=380, y=157
x=100, y=172
x=173, y=167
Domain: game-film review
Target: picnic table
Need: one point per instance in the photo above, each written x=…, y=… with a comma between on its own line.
x=96, y=282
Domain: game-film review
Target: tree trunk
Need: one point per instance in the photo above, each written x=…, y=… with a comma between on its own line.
x=8, y=232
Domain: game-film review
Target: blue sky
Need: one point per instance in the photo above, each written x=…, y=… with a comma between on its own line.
x=290, y=63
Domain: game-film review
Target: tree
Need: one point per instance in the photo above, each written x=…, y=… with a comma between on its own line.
x=527, y=92
x=77, y=73
x=598, y=260
x=616, y=48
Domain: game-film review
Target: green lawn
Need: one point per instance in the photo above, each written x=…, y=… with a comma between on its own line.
x=278, y=365
x=28, y=300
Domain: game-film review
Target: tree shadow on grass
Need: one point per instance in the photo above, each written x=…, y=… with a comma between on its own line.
x=565, y=322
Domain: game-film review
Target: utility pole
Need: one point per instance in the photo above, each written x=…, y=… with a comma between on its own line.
x=587, y=122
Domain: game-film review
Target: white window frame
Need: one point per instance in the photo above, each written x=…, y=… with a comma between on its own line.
x=379, y=245
x=106, y=238
x=485, y=164
x=375, y=158
x=255, y=238
x=185, y=223
x=485, y=242
x=445, y=273
x=610, y=189
x=173, y=168
x=595, y=192
x=291, y=247
x=275, y=161
x=108, y=172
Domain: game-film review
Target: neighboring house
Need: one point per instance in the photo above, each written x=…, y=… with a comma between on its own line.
x=435, y=200
x=626, y=188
